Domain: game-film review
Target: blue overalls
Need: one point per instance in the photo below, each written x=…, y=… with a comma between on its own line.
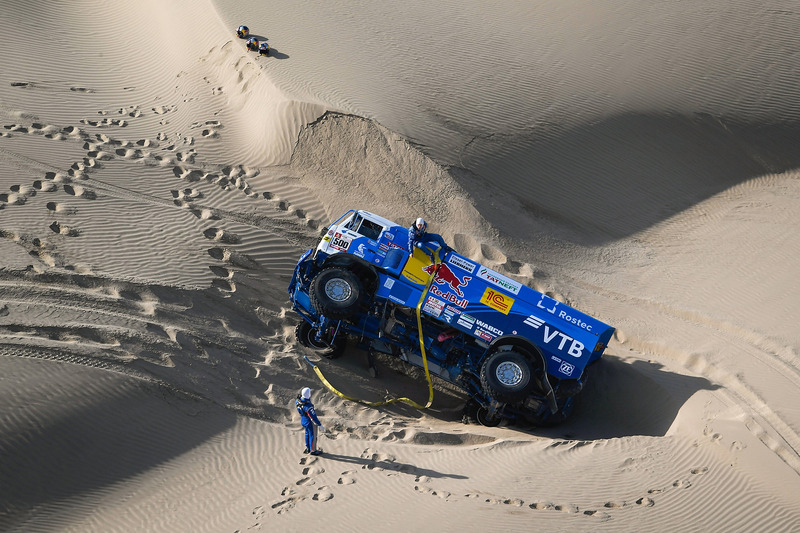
x=308, y=417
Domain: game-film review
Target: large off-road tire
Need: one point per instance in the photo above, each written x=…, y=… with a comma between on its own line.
x=506, y=376
x=482, y=416
x=337, y=293
x=306, y=336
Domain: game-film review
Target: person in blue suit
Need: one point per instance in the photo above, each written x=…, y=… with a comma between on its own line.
x=418, y=235
x=309, y=420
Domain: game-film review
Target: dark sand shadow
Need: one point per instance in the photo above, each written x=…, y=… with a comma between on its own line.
x=627, y=399
x=616, y=177
x=68, y=431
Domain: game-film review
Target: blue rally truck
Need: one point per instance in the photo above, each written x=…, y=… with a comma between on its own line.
x=517, y=353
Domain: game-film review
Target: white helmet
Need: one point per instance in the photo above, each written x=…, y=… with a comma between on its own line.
x=421, y=225
x=305, y=393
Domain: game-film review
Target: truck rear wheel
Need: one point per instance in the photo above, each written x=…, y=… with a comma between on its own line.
x=337, y=293
x=482, y=416
x=506, y=376
x=307, y=336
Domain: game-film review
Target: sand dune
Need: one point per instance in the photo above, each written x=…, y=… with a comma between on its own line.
x=158, y=183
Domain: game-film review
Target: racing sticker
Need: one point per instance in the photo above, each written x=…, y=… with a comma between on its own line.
x=450, y=312
x=466, y=321
x=566, y=368
x=340, y=242
x=461, y=263
x=433, y=306
x=447, y=278
x=534, y=322
x=496, y=278
x=489, y=328
x=483, y=335
x=448, y=296
x=497, y=300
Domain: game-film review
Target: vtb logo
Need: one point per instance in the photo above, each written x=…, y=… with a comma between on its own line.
x=497, y=300
x=446, y=276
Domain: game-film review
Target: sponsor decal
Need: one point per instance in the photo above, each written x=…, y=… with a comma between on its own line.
x=575, y=348
x=433, y=306
x=389, y=283
x=466, y=321
x=547, y=299
x=497, y=300
x=534, y=322
x=566, y=368
x=445, y=276
x=340, y=242
x=449, y=313
x=383, y=248
x=389, y=236
x=489, y=328
x=483, y=335
x=361, y=250
x=448, y=296
x=574, y=320
x=562, y=314
x=462, y=263
x=496, y=278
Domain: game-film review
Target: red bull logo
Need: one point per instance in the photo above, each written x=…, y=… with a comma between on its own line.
x=445, y=276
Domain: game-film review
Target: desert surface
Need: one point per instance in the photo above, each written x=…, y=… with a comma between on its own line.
x=158, y=182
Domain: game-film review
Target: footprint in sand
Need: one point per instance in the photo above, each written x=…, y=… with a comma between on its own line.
x=188, y=175
x=100, y=155
x=443, y=494
x=63, y=230
x=323, y=495
x=45, y=185
x=220, y=235
x=347, y=478
x=105, y=123
x=77, y=190
x=186, y=195
x=161, y=110
x=129, y=153
x=223, y=285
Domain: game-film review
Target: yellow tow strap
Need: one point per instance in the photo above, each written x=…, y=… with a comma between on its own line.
x=408, y=401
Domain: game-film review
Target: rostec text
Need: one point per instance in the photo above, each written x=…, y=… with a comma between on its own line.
x=577, y=321
x=575, y=348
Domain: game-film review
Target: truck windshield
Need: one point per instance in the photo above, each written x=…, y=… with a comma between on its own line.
x=367, y=228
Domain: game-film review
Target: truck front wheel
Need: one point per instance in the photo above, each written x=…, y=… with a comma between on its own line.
x=307, y=336
x=336, y=293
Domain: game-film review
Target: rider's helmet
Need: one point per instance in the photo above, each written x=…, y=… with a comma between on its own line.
x=420, y=226
x=252, y=43
x=263, y=49
x=305, y=393
x=242, y=31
